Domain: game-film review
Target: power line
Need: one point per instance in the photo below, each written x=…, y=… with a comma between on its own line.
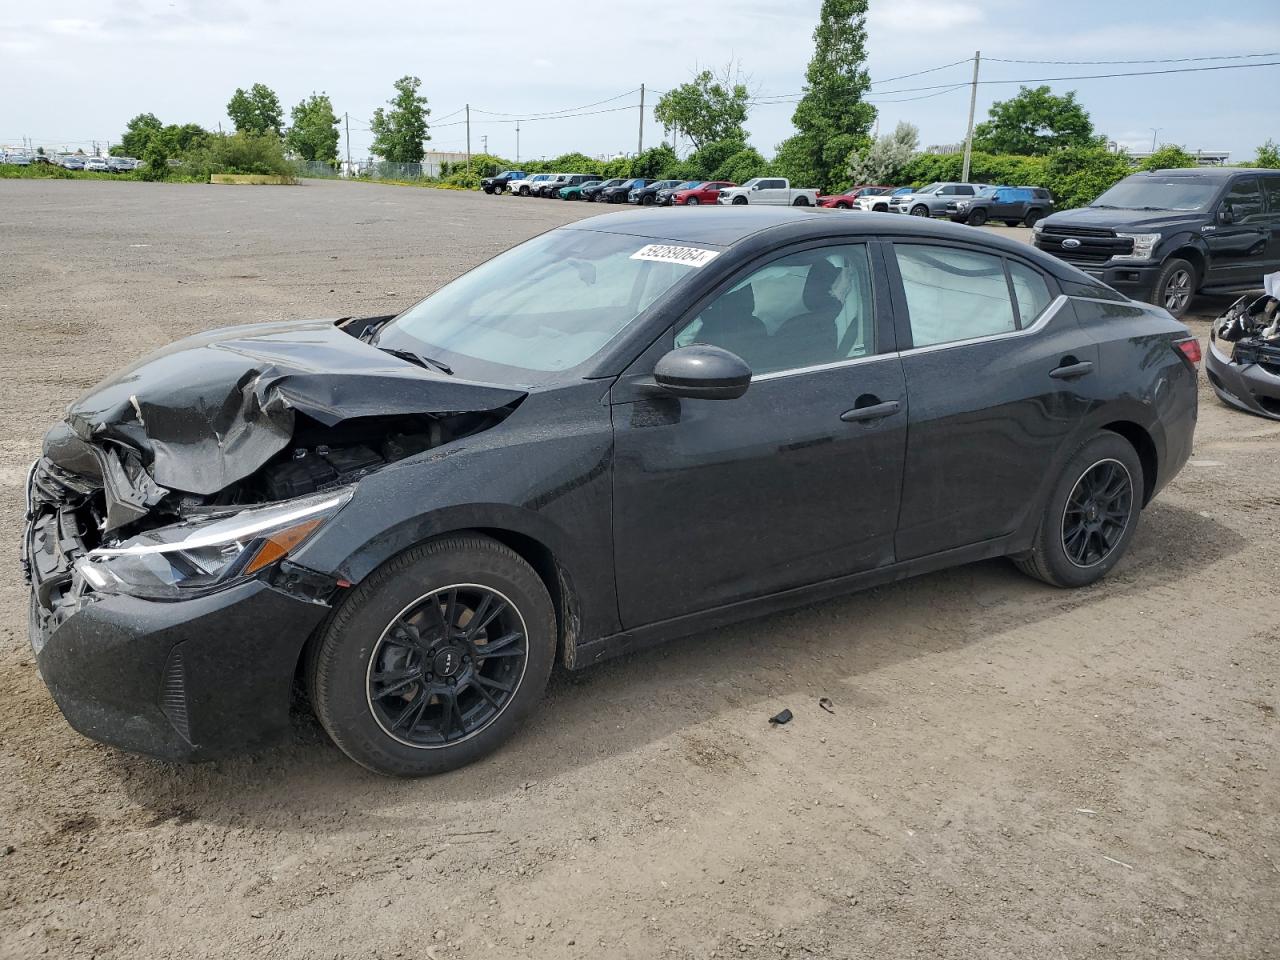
x=1225, y=56
x=548, y=113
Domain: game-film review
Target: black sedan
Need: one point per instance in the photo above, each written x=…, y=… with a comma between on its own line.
x=608, y=436
x=620, y=192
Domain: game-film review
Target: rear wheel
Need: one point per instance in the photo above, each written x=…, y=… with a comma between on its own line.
x=1011, y=223
x=435, y=659
x=1031, y=219
x=1175, y=286
x=977, y=217
x=801, y=202
x=1091, y=515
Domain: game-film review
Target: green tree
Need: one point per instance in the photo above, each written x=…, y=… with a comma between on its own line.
x=832, y=117
x=885, y=160
x=314, y=134
x=1268, y=155
x=137, y=134
x=256, y=110
x=655, y=162
x=185, y=137
x=1170, y=156
x=400, y=131
x=1034, y=122
x=708, y=108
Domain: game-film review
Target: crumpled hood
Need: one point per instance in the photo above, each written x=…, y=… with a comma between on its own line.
x=1127, y=221
x=211, y=409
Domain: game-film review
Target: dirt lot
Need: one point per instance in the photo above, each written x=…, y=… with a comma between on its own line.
x=1011, y=771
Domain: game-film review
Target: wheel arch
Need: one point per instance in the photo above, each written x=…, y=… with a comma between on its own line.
x=1145, y=447
x=1194, y=256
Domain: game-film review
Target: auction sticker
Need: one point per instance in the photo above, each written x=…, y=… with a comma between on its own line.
x=669, y=253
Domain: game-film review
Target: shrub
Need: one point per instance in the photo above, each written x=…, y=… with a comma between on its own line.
x=1168, y=157
x=238, y=153
x=1078, y=175
x=155, y=161
x=1268, y=155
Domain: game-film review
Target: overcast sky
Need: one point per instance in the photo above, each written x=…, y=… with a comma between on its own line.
x=76, y=70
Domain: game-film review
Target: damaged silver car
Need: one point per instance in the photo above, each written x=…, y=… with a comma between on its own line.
x=1243, y=365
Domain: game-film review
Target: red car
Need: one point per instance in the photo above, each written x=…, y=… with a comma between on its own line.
x=844, y=201
x=707, y=192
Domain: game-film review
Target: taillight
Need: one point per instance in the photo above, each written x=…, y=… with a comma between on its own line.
x=1190, y=350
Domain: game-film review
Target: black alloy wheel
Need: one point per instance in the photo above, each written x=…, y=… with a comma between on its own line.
x=1097, y=513
x=977, y=217
x=447, y=665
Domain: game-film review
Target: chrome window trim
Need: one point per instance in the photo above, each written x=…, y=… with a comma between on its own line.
x=797, y=371
x=1042, y=321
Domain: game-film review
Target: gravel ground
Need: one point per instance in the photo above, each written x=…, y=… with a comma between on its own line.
x=1010, y=771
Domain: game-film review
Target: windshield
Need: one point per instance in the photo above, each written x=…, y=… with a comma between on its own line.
x=690, y=185
x=930, y=188
x=1150, y=193
x=547, y=305
x=988, y=192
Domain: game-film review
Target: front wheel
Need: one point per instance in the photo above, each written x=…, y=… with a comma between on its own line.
x=435, y=659
x=692, y=202
x=977, y=217
x=739, y=201
x=524, y=191
x=1175, y=286
x=1091, y=515
x=920, y=210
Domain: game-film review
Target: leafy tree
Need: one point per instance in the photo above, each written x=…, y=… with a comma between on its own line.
x=654, y=163
x=256, y=110
x=400, y=132
x=1034, y=122
x=155, y=160
x=832, y=118
x=185, y=137
x=1077, y=175
x=885, y=160
x=1169, y=157
x=137, y=134
x=708, y=108
x=1268, y=155
x=314, y=134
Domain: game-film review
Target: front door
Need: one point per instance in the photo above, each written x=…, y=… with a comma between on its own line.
x=797, y=481
x=999, y=374
x=1241, y=238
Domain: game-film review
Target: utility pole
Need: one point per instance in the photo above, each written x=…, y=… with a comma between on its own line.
x=484, y=143
x=517, y=143
x=640, y=141
x=1155, y=132
x=973, y=103
x=468, y=138
x=346, y=118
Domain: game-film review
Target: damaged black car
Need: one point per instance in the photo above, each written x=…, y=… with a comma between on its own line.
x=620, y=432
x=1243, y=365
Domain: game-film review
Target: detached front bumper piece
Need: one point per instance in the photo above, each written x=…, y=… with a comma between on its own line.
x=1253, y=386
x=186, y=680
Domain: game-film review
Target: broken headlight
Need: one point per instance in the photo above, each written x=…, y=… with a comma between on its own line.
x=201, y=555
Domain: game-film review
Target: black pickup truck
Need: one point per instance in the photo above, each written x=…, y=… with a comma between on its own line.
x=1166, y=235
x=499, y=183
x=1011, y=205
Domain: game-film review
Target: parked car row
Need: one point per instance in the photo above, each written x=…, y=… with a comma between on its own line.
x=73, y=162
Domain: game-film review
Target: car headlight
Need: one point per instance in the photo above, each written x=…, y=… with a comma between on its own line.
x=204, y=554
x=1144, y=245
x=962, y=204
x=1038, y=227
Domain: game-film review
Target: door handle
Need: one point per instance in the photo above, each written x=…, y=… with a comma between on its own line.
x=1069, y=371
x=876, y=411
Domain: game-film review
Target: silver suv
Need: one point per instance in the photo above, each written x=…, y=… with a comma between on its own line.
x=931, y=201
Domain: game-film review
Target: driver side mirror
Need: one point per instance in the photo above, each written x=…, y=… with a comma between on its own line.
x=1225, y=215
x=756, y=187
x=702, y=372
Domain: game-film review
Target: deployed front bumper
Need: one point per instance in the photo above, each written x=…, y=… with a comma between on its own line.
x=1246, y=386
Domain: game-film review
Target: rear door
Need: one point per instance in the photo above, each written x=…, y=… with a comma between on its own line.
x=772, y=191
x=998, y=374
x=1271, y=194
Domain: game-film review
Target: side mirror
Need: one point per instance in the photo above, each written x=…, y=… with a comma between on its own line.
x=703, y=372
x=756, y=187
x=1225, y=215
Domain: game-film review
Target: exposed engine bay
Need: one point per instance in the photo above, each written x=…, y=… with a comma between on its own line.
x=1244, y=357
x=235, y=418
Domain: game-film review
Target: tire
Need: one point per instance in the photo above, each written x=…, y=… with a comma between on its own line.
x=920, y=210
x=739, y=202
x=359, y=641
x=646, y=201
x=801, y=202
x=488, y=190
x=880, y=208
x=1012, y=223
x=1058, y=555
x=1031, y=219
x=524, y=191
x=692, y=202
x=842, y=206
x=976, y=218
x=1175, y=286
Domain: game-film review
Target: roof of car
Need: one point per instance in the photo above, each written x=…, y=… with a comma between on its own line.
x=1217, y=173
x=726, y=226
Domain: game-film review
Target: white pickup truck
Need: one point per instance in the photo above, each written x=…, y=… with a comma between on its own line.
x=774, y=190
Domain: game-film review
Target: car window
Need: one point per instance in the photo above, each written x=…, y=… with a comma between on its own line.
x=1030, y=290
x=953, y=294
x=801, y=310
x=1271, y=187
x=1244, y=199
x=963, y=191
